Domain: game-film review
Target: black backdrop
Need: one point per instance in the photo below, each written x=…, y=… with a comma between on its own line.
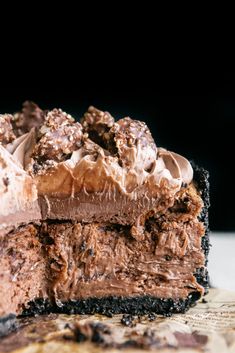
x=198, y=123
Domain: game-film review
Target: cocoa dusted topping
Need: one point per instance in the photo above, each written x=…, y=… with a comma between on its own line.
x=30, y=116
x=58, y=137
x=134, y=143
x=97, y=124
x=6, y=132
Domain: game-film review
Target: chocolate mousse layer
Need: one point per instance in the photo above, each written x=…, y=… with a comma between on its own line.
x=23, y=266
x=106, y=261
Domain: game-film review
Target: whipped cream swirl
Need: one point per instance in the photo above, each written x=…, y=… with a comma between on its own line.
x=166, y=165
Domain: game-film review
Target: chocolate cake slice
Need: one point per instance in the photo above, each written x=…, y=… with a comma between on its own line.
x=121, y=226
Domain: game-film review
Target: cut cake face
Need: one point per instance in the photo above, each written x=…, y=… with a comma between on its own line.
x=96, y=218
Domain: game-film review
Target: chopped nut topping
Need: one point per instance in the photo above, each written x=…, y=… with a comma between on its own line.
x=6, y=132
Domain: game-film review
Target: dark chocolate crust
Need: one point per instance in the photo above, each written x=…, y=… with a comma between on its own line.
x=201, y=178
x=141, y=305
x=109, y=306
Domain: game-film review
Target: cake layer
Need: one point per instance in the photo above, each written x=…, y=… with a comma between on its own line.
x=70, y=261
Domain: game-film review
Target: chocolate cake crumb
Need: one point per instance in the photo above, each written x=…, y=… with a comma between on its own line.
x=127, y=320
x=169, y=314
x=30, y=117
x=83, y=246
x=151, y=316
x=131, y=320
x=90, y=252
x=6, y=131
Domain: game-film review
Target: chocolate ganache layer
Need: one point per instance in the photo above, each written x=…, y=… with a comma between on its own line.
x=95, y=210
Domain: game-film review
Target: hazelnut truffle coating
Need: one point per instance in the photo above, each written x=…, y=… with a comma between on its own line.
x=134, y=143
x=58, y=137
x=97, y=124
x=30, y=116
x=6, y=132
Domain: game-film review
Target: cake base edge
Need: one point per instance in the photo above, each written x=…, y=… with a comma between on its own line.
x=109, y=306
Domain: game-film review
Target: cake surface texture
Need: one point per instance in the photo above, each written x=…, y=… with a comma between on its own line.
x=95, y=218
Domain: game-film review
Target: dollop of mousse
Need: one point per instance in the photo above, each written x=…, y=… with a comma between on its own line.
x=57, y=138
x=179, y=166
x=6, y=131
x=18, y=193
x=30, y=117
x=97, y=125
x=22, y=148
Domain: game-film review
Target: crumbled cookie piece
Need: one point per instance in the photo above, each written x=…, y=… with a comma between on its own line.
x=128, y=320
x=58, y=137
x=30, y=116
x=6, y=131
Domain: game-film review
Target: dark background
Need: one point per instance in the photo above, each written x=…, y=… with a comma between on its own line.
x=194, y=117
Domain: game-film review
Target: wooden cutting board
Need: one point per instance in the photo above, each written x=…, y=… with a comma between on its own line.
x=207, y=327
